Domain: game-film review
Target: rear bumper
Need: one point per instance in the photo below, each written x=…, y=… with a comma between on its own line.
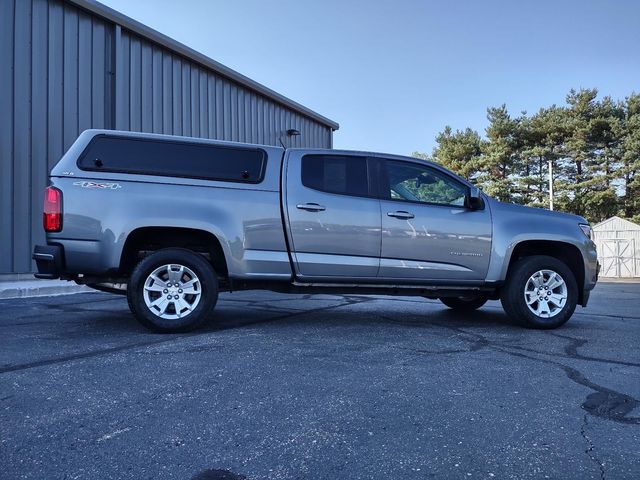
x=49, y=260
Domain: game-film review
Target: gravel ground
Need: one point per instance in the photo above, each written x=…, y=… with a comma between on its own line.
x=319, y=387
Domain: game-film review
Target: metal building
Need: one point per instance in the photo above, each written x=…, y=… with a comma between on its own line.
x=69, y=65
x=618, y=243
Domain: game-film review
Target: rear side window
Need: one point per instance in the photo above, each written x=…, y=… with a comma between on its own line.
x=173, y=159
x=342, y=174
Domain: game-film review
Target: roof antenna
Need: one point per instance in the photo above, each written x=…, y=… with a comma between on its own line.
x=292, y=132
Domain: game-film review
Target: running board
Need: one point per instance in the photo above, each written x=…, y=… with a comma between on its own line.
x=431, y=291
x=385, y=286
x=347, y=288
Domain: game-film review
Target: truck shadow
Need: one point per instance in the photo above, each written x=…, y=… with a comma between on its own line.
x=110, y=315
x=233, y=318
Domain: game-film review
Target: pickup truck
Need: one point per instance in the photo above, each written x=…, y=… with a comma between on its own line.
x=172, y=221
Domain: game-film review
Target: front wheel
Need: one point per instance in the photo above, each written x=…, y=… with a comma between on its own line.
x=540, y=292
x=172, y=290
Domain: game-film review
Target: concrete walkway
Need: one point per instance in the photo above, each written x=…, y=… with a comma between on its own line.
x=20, y=286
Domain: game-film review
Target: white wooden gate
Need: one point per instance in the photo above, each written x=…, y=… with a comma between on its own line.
x=618, y=257
x=618, y=243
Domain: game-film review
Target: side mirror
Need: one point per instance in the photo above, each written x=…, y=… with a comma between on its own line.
x=474, y=199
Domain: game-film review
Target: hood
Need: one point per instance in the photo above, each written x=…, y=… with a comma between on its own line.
x=497, y=206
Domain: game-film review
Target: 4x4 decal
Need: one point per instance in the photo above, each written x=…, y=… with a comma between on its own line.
x=111, y=186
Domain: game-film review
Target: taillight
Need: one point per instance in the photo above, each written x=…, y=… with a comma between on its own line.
x=52, y=217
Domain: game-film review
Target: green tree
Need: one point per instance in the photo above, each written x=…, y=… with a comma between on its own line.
x=458, y=151
x=591, y=145
x=630, y=159
x=499, y=163
x=544, y=134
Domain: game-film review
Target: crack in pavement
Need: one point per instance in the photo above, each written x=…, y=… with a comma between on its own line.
x=94, y=353
x=173, y=338
x=604, y=402
x=571, y=351
x=578, y=356
x=499, y=308
x=62, y=307
x=590, y=447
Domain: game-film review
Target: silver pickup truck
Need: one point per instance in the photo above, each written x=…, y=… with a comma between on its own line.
x=171, y=221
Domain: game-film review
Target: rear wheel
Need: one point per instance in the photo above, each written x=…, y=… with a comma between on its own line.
x=172, y=290
x=464, y=304
x=540, y=292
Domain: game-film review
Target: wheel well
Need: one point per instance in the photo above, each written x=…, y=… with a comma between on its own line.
x=565, y=252
x=142, y=241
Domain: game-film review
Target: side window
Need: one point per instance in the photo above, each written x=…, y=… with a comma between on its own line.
x=342, y=174
x=173, y=158
x=416, y=183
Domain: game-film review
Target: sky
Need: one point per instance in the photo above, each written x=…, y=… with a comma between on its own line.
x=394, y=73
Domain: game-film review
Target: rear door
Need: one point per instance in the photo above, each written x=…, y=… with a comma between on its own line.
x=333, y=217
x=428, y=233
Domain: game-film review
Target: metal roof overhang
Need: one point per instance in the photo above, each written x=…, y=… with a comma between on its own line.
x=132, y=25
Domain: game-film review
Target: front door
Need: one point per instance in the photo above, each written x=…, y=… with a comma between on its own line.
x=428, y=233
x=333, y=220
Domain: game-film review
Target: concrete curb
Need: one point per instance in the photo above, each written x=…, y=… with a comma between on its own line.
x=619, y=280
x=39, y=288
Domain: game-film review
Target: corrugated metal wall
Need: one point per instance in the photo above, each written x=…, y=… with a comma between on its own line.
x=63, y=70
x=164, y=93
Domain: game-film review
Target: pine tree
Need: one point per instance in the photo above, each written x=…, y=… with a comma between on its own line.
x=499, y=154
x=546, y=132
x=459, y=151
x=592, y=147
x=630, y=158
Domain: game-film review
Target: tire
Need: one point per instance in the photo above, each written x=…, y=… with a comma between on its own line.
x=528, y=281
x=464, y=304
x=173, y=268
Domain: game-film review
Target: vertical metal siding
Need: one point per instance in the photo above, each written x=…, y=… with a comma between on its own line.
x=193, y=101
x=39, y=163
x=21, y=139
x=6, y=135
x=65, y=70
x=55, y=124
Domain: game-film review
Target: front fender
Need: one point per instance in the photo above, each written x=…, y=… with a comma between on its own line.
x=511, y=228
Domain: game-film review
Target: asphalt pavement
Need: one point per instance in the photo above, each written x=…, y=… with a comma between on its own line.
x=319, y=387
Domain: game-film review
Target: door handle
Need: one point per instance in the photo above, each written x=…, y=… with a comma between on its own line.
x=401, y=214
x=311, y=207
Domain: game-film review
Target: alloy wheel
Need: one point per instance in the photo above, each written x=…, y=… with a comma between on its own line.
x=172, y=291
x=545, y=293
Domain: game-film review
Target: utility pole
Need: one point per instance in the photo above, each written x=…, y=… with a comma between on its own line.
x=550, y=184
